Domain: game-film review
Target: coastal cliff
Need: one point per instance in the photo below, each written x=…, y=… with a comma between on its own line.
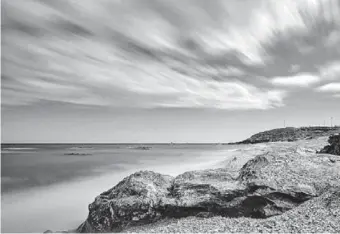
x=290, y=134
x=280, y=188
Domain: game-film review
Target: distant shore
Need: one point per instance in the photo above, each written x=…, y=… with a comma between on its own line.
x=289, y=134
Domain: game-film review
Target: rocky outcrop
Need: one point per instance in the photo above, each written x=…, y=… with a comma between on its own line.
x=135, y=200
x=290, y=134
x=317, y=215
x=268, y=185
x=333, y=147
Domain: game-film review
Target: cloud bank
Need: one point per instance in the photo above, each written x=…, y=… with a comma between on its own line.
x=150, y=54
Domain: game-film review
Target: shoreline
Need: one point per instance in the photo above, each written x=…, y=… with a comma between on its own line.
x=49, y=206
x=81, y=192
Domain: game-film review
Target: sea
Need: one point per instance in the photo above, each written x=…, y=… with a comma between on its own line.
x=49, y=186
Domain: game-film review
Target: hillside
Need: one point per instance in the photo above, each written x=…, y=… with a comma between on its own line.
x=290, y=134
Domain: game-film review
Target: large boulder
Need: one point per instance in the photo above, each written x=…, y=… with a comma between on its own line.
x=134, y=200
x=333, y=147
x=267, y=185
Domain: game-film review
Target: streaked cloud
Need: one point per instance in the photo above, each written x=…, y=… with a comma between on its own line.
x=111, y=81
x=149, y=54
x=330, y=87
x=299, y=80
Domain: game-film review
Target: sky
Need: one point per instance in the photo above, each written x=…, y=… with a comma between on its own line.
x=112, y=71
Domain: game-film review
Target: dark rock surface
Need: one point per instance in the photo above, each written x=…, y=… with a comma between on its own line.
x=333, y=147
x=317, y=215
x=77, y=154
x=268, y=185
x=143, y=147
x=290, y=134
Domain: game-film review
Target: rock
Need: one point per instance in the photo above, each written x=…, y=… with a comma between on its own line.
x=205, y=214
x=268, y=185
x=333, y=147
x=77, y=154
x=250, y=169
x=141, y=147
x=290, y=134
x=317, y=215
x=49, y=231
x=135, y=200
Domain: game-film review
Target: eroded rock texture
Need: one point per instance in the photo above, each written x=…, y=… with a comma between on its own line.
x=135, y=200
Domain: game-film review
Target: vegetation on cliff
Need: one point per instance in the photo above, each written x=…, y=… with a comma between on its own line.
x=290, y=134
x=333, y=147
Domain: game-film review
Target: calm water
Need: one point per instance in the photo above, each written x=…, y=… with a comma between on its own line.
x=49, y=186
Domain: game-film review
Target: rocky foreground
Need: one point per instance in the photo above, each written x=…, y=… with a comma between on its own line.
x=281, y=187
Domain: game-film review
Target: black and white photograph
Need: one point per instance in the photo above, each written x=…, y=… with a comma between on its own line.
x=170, y=116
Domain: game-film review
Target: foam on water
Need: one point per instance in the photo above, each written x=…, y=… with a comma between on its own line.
x=20, y=148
